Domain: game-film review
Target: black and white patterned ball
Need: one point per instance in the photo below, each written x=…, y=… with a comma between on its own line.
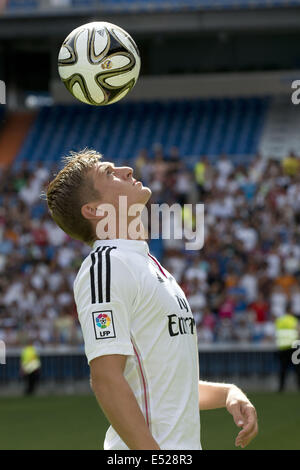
x=99, y=63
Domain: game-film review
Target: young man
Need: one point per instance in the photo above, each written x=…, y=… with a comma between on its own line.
x=138, y=329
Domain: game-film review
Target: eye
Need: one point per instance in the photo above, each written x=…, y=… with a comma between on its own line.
x=110, y=171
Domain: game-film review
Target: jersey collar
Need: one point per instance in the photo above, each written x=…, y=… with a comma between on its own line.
x=139, y=246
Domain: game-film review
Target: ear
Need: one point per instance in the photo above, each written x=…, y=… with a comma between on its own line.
x=89, y=211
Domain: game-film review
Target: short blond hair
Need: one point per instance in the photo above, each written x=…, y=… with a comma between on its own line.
x=71, y=188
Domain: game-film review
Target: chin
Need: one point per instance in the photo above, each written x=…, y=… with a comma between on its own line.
x=146, y=192
x=140, y=195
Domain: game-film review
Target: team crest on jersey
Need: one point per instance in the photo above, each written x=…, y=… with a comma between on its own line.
x=103, y=322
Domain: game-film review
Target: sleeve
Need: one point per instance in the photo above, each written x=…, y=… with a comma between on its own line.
x=105, y=294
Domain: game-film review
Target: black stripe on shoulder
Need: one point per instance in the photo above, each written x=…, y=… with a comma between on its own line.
x=108, y=272
x=92, y=276
x=97, y=258
x=99, y=268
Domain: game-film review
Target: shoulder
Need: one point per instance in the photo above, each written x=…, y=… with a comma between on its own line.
x=103, y=270
x=105, y=257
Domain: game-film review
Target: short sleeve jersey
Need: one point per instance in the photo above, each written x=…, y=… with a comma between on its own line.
x=129, y=304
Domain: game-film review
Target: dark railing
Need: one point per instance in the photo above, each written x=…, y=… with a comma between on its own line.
x=216, y=362
x=243, y=362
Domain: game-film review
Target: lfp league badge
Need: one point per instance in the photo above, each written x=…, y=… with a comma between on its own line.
x=104, y=324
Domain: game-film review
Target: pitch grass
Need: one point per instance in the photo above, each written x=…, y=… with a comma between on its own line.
x=76, y=422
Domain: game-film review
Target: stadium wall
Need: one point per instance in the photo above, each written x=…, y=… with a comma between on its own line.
x=198, y=86
x=65, y=370
x=40, y=22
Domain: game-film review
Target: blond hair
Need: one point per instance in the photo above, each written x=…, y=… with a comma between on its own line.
x=71, y=188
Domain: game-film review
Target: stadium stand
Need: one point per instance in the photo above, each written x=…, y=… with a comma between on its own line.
x=159, y=5
x=22, y=4
x=281, y=132
x=15, y=129
x=237, y=286
x=153, y=5
x=210, y=127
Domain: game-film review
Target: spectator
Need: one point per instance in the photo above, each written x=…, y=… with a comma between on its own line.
x=260, y=308
x=291, y=165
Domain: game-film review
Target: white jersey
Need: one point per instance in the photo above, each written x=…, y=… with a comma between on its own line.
x=128, y=304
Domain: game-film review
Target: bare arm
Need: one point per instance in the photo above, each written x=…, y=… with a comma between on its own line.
x=118, y=402
x=212, y=395
x=218, y=395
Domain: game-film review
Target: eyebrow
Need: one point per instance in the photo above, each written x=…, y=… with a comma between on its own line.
x=104, y=167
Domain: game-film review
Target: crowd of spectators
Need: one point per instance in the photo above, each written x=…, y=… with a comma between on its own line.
x=246, y=275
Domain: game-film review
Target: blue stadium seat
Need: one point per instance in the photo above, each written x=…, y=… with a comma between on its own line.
x=83, y=2
x=199, y=127
x=22, y=4
x=163, y=5
x=158, y=5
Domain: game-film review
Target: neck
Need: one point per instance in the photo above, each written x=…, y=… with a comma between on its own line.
x=131, y=228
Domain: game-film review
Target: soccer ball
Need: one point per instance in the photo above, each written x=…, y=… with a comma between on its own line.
x=99, y=63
